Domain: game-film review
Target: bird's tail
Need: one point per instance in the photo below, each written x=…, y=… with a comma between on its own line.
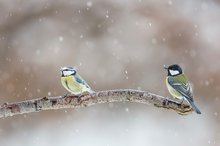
x=196, y=109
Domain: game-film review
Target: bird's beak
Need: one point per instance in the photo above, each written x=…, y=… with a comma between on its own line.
x=165, y=67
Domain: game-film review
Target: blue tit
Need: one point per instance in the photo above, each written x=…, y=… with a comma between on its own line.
x=73, y=82
x=179, y=86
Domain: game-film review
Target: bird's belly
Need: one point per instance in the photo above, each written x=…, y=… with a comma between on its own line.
x=173, y=92
x=72, y=86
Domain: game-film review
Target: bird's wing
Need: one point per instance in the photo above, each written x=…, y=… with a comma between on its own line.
x=80, y=80
x=181, y=85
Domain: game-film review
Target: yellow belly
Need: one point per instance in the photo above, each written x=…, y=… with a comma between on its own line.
x=173, y=92
x=70, y=84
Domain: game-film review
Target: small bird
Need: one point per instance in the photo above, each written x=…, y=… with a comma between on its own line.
x=179, y=86
x=73, y=82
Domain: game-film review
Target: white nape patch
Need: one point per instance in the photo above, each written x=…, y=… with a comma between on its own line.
x=68, y=72
x=174, y=72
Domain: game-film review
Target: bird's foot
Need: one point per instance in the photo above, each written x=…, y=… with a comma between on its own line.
x=86, y=93
x=84, y=96
x=67, y=94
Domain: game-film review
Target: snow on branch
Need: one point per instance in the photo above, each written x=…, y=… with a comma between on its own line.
x=73, y=101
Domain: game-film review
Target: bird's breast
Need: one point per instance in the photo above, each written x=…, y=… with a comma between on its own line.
x=172, y=91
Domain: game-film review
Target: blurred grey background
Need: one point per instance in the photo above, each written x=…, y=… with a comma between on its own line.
x=114, y=44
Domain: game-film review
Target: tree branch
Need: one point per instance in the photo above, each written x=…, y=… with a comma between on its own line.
x=73, y=101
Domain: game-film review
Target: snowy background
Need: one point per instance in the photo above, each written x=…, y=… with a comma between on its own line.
x=114, y=44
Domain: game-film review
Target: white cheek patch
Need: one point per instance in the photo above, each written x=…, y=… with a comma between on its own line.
x=67, y=73
x=174, y=72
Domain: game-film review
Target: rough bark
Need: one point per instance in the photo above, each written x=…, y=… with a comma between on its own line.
x=73, y=101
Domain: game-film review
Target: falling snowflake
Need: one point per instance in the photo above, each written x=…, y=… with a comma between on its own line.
x=49, y=93
x=89, y=4
x=60, y=38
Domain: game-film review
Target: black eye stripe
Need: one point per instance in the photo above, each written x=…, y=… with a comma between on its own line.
x=68, y=70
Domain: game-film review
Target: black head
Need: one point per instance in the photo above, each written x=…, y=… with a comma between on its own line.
x=174, y=70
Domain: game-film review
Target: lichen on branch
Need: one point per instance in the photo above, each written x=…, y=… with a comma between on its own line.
x=73, y=101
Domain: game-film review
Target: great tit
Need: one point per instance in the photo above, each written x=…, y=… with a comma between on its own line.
x=179, y=86
x=73, y=82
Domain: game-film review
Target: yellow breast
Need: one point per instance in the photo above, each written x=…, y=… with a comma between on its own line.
x=172, y=91
x=70, y=84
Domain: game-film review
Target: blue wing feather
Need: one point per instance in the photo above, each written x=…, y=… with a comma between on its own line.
x=79, y=80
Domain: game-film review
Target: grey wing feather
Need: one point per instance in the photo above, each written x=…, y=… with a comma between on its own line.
x=184, y=89
x=80, y=80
